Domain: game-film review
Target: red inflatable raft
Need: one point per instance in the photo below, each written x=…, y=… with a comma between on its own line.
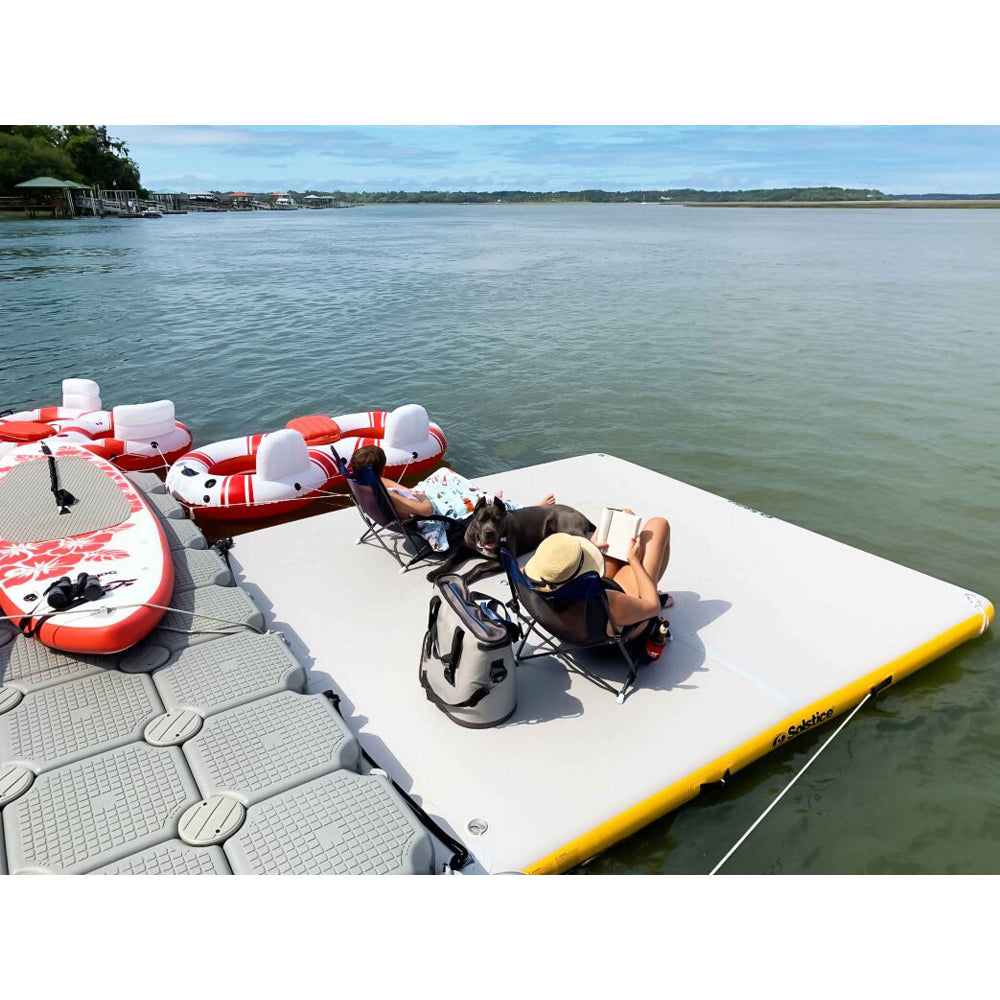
x=266, y=475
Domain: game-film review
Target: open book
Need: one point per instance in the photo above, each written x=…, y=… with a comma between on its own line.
x=618, y=528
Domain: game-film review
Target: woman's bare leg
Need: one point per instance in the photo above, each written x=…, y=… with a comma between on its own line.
x=655, y=556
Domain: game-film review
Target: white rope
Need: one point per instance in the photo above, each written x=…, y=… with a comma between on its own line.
x=108, y=610
x=980, y=605
x=732, y=850
x=164, y=464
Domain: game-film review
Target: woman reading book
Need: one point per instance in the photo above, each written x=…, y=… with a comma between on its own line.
x=561, y=557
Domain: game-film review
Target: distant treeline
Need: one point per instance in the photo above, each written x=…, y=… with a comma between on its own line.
x=594, y=195
x=945, y=197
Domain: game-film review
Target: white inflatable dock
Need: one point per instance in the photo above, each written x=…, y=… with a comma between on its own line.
x=776, y=629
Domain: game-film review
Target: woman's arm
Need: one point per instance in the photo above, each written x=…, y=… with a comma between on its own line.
x=629, y=609
x=404, y=505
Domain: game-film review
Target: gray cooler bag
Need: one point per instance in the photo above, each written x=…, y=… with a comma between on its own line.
x=467, y=662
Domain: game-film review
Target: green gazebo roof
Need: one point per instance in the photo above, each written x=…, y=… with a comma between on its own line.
x=46, y=182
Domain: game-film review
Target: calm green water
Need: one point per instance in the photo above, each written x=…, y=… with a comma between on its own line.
x=835, y=368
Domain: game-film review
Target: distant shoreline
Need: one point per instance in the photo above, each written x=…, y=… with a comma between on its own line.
x=887, y=203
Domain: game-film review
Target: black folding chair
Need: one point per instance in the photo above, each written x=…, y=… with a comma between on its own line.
x=374, y=504
x=570, y=619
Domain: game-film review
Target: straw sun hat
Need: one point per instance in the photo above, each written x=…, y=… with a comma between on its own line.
x=562, y=557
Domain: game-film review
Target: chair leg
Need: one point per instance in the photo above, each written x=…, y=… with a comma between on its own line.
x=524, y=639
x=632, y=671
x=376, y=533
x=420, y=556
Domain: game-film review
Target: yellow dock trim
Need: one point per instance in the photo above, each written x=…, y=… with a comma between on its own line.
x=643, y=813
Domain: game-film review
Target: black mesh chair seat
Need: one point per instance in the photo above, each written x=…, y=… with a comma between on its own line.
x=373, y=503
x=575, y=617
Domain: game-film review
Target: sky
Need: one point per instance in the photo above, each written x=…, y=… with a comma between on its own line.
x=894, y=159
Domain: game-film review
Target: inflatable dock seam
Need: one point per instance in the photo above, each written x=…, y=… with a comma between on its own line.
x=625, y=824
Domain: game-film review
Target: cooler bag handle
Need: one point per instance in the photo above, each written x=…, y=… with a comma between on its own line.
x=494, y=607
x=433, y=611
x=477, y=696
x=451, y=658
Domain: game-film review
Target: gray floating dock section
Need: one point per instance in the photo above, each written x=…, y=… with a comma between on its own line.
x=172, y=858
x=145, y=762
x=148, y=482
x=99, y=810
x=199, y=568
x=340, y=824
x=202, y=615
x=182, y=534
x=27, y=665
x=61, y=724
x=216, y=676
x=166, y=507
x=268, y=746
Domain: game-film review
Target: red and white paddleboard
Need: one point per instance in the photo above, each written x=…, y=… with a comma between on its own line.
x=70, y=512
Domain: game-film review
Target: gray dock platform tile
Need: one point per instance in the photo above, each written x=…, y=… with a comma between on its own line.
x=215, y=676
x=172, y=858
x=166, y=507
x=186, y=627
x=148, y=482
x=61, y=724
x=27, y=665
x=199, y=568
x=182, y=534
x=268, y=746
x=99, y=810
x=340, y=824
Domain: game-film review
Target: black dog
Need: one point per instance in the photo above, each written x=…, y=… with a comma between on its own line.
x=518, y=531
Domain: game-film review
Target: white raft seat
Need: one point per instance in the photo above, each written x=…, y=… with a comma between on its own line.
x=283, y=457
x=81, y=395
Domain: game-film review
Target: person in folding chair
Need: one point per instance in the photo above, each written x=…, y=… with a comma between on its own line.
x=384, y=523
x=571, y=592
x=435, y=506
